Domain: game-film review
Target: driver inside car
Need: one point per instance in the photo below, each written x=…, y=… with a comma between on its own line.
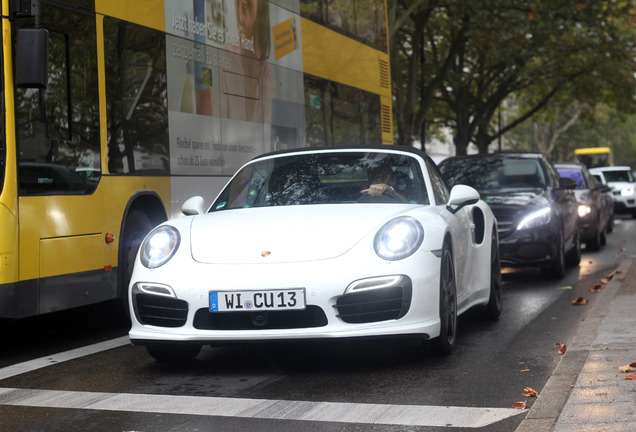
x=382, y=181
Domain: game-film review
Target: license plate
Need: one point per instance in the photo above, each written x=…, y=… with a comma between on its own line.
x=249, y=301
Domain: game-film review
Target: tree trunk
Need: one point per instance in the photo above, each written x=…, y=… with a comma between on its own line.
x=482, y=141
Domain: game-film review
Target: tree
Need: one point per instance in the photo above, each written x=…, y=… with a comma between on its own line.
x=474, y=54
x=407, y=20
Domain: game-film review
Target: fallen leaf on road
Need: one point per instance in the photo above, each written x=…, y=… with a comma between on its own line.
x=520, y=405
x=605, y=281
x=622, y=278
x=580, y=301
x=630, y=377
x=623, y=250
x=612, y=274
x=530, y=392
x=596, y=288
x=524, y=370
x=562, y=348
x=626, y=369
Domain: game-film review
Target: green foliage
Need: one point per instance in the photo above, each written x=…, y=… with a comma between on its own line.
x=456, y=61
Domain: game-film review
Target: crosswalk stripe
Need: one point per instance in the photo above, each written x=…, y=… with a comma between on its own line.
x=32, y=365
x=401, y=415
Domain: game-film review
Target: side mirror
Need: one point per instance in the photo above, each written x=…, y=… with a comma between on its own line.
x=193, y=206
x=567, y=183
x=602, y=188
x=460, y=196
x=31, y=58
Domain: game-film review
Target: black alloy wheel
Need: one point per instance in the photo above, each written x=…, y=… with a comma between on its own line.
x=573, y=256
x=556, y=268
x=595, y=242
x=495, y=304
x=447, y=303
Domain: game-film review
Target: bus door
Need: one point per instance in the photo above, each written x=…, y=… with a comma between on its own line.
x=58, y=162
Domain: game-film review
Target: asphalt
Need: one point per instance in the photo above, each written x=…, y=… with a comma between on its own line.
x=588, y=391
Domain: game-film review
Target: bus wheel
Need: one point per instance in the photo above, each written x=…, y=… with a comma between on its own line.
x=135, y=229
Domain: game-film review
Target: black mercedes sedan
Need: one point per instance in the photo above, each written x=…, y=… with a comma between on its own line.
x=536, y=209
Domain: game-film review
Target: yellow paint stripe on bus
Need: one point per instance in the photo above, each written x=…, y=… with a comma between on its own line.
x=101, y=73
x=67, y=255
x=10, y=187
x=8, y=196
x=149, y=13
x=354, y=63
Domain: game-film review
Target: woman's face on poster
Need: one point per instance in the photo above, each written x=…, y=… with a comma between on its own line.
x=248, y=12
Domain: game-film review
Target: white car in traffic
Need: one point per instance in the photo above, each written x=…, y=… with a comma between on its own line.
x=318, y=244
x=621, y=180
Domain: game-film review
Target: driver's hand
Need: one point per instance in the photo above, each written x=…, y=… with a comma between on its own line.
x=377, y=189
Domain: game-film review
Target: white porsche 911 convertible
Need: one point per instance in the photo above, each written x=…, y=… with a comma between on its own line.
x=318, y=244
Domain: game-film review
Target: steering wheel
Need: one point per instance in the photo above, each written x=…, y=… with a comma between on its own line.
x=388, y=196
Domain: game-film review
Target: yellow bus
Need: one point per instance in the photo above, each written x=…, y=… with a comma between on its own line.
x=116, y=111
x=593, y=157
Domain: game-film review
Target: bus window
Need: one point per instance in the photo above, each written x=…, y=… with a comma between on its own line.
x=337, y=114
x=57, y=127
x=362, y=19
x=137, y=99
x=593, y=157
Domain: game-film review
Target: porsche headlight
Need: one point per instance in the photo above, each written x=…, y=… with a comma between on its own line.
x=159, y=246
x=627, y=191
x=535, y=219
x=398, y=238
x=584, y=210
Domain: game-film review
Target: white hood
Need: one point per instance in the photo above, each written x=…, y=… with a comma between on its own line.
x=619, y=186
x=285, y=234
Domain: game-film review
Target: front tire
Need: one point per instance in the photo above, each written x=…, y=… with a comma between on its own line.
x=495, y=303
x=447, y=303
x=595, y=242
x=603, y=235
x=573, y=257
x=556, y=269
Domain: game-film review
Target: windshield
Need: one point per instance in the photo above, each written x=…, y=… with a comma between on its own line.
x=494, y=174
x=320, y=179
x=594, y=160
x=574, y=174
x=618, y=176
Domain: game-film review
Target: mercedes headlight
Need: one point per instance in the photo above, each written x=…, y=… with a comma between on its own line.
x=627, y=191
x=584, y=210
x=398, y=238
x=535, y=219
x=159, y=246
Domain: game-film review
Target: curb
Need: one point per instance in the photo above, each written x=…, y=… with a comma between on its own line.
x=545, y=412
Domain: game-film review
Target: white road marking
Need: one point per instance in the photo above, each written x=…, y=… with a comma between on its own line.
x=402, y=415
x=32, y=365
